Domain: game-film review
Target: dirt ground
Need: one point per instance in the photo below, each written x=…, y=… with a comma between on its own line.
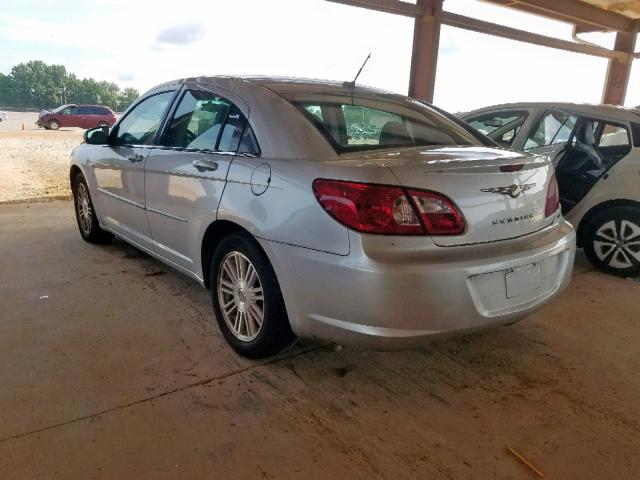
x=34, y=163
x=113, y=368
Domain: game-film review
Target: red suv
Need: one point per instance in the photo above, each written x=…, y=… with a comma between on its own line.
x=83, y=116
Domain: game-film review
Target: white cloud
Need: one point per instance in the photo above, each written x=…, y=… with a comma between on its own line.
x=181, y=34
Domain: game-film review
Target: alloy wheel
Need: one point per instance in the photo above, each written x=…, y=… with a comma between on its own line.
x=618, y=244
x=240, y=296
x=83, y=208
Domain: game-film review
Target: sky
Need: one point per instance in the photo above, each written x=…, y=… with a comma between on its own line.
x=140, y=44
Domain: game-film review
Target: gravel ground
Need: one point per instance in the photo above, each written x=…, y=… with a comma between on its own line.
x=34, y=162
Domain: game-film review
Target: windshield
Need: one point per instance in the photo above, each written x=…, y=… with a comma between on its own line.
x=59, y=109
x=354, y=123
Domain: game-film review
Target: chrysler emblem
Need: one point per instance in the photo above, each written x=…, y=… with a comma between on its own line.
x=514, y=191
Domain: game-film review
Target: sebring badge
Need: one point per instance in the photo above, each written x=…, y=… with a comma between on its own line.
x=514, y=191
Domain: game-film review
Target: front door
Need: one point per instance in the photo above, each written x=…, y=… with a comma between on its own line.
x=185, y=177
x=69, y=117
x=119, y=171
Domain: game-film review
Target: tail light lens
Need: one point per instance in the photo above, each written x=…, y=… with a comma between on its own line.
x=388, y=210
x=553, y=197
x=439, y=215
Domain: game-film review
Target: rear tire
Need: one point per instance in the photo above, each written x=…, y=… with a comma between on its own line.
x=102, y=124
x=53, y=125
x=612, y=241
x=86, y=214
x=247, y=300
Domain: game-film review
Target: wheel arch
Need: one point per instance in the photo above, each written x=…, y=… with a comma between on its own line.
x=73, y=172
x=597, y=209
x=213, y=235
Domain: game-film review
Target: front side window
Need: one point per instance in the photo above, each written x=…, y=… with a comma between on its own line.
x=554, y=128
x=205, y=121
x=140, y=125
x=70, y=111
x=360, y=123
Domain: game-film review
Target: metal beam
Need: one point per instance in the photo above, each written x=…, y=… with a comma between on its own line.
x=460, y=21
x=480, y=26
x=619, y=70
x=573, y=11
x=395, y=7
x=424, y=56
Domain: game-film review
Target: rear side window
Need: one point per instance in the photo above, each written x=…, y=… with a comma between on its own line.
x=248, y=143
x=613, y=141
x=554, y=128
x=364, y=124
x=205, y=121
x=84, y=111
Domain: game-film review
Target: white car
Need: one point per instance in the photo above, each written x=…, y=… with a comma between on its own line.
x=596, y=153
x=3, y=116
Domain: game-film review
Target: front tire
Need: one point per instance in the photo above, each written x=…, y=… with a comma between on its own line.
x=86, y=214
x=612, y=241
x=54, y=125
x=247, y=300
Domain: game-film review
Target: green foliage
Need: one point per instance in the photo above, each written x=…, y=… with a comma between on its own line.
x=37, y=85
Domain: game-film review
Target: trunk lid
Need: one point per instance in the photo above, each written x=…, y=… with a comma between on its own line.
x=498, y=201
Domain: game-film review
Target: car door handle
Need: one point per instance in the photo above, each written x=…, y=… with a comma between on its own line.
x=204, y=165
x=135, y=157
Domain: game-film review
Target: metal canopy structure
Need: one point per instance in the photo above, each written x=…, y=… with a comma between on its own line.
x=619, y=16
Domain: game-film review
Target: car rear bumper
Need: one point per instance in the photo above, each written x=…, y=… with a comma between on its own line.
x=401, y=297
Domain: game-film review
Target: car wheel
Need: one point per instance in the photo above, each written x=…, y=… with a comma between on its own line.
x=247, y=300
x=103, y=124
x=54, y=125
x=612, y=241
x=86, y=215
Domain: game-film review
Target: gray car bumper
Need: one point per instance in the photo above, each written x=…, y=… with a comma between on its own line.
x=402, y=297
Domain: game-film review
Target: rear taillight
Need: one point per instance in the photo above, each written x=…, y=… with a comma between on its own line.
x=388, y=210
x=553, y=197
x=439, y=215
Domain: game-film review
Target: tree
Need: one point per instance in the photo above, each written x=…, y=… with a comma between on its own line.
x=37, y=85
x=127, y=97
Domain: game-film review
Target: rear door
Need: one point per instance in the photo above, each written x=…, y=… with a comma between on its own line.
x=550, y=134
x=119, y=170
x=186, y=175
x=83, y=116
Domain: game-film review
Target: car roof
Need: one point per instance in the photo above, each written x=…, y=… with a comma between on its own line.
x=280, y=84
x=609, y=111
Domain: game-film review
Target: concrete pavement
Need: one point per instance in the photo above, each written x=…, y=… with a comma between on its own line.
x=112, y=367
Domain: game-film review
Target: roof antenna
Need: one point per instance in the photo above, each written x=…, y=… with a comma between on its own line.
x=352, y=83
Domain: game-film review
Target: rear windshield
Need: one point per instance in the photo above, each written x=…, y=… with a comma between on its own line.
x=360, y=123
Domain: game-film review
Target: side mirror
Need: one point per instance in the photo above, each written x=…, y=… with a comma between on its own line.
x=97, y=136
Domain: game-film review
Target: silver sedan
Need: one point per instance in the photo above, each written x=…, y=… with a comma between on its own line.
x=326, y=210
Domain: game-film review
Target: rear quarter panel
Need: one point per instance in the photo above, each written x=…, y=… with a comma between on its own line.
x=287, y=211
